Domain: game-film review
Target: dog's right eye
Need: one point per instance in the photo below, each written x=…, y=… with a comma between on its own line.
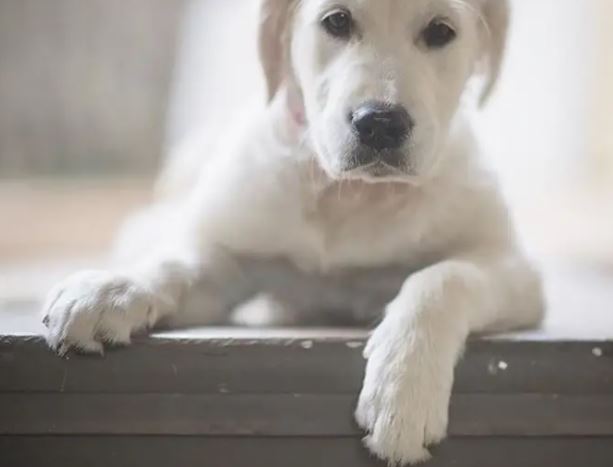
x=338, y=23
x=438, y=34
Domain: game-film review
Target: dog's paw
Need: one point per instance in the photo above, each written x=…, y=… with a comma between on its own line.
x=94, y=308
x=404, y=403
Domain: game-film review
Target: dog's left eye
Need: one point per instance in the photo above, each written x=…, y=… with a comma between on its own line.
x=438, y=34
x=338, y=24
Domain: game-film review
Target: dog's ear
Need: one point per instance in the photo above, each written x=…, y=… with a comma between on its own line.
x=273, y=37
x=495, y=16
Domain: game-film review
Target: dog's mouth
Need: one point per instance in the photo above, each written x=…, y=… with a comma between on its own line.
x=380, y=171
x=376, y=166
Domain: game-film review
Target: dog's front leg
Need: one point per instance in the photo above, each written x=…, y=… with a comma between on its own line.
x=93, y=308
x=411, y=355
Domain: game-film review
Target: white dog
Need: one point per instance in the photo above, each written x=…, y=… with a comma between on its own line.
x=357, y=187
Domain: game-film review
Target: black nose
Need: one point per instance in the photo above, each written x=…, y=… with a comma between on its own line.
x=381, y=126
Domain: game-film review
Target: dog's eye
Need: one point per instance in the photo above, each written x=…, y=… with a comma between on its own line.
x=438, y=34
x=338, y=24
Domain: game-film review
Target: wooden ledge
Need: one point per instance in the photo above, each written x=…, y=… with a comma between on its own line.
x=238, y=398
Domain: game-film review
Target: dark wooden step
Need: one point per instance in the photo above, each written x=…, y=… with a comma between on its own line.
x=234, y=398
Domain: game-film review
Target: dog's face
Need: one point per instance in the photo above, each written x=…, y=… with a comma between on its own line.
x=379, y=81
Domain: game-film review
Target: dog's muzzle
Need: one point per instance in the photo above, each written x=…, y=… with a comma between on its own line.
x=382, y=129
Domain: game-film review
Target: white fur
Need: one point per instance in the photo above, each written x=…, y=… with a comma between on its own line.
x=273, y=218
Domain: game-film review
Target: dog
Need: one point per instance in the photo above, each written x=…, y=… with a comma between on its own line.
x=357, y=193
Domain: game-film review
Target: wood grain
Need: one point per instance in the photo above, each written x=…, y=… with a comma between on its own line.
x=289, y=415
x=283, y=365
x=234, y=398
x=126, y=451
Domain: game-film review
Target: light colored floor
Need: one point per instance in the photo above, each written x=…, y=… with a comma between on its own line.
x=58, y=220
x=51, y=228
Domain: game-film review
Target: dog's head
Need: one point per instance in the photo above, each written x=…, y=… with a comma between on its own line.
x=379, y=81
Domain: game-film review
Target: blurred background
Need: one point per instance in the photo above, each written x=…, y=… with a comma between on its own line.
x=93, y=93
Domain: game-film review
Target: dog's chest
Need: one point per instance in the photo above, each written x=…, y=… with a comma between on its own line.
x=330, y=229
x=356, y=225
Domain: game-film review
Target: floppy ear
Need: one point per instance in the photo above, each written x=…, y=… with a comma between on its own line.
x=273, y=36
x=496, y=18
